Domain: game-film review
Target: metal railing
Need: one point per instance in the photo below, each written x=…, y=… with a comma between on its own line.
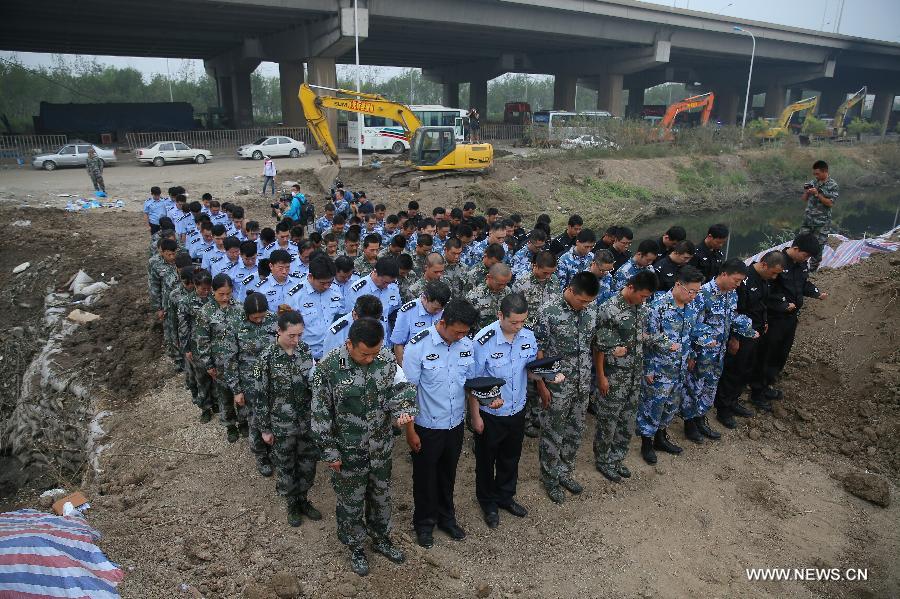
x=227, y=139
x=501, y=132
x=24, y=146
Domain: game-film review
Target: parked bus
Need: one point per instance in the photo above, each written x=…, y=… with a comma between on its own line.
x=560, y=124
x=380, y=134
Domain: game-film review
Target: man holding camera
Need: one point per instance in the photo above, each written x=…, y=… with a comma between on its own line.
x=819, y=194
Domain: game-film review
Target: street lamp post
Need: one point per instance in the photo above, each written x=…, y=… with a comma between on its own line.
x=359, y=115
x=749, y=76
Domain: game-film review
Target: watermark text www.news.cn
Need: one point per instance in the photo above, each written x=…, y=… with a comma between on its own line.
x=807, y=574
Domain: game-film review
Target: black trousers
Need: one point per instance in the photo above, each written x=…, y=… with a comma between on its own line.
x=736, y=373
x=497, y=452
x=434, y=476
x=773, y=352
x=154, y=229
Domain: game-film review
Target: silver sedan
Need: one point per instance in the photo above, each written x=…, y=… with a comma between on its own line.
x=72, y=155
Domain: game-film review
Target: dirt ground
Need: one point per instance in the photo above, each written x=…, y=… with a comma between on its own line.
x=185, y=513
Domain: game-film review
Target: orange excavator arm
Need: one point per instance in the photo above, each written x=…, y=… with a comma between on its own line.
x=704, y=100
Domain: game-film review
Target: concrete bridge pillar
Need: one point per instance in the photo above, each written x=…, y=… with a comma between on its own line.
x=727, y=104
x=774, y=100
x=450, y=95
x=564, y=92
x=322, y=71
x=829, y=100
x=881, y=109
x=291, y=76
x=478, y=97
x=635, y=102
x=609, y=93
x=243, y=98
x=795, y=94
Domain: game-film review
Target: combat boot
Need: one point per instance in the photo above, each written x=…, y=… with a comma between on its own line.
x=205, y=416
x=295, y=514
x=726, y=418
x=662, y=442
x=741, y=410
x=772, y=393
x=233, y=433
x=647, y=450
x=572, y=485
x=555, y=493
x=609, y=472
x=264, y=467
x=389, y=550
x=691, y=432
x=309, y=511
x=703, y=427
x=244, y=429
x=358, y=561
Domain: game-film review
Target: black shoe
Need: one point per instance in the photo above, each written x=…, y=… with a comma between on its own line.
x=515, y=509
x=205, y=416
x=691, y=432
x=492, y=519
x=610, y=473
x=453, y=530
x=295, y=515
x=623, y=470
x=570, y=484
x=233, y=433
x=244, y=429
x=662, y=442
x=389, y=550
x=741, y=410
x=647, y=450
x=771, y=393
x=264, y=467
x=359, y=563
x=425, y=538
x=309, y=511
x=726, y=419
x=703, y=427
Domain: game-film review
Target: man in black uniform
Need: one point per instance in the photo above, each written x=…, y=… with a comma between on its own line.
x=560, y=245
x=709, y=257
x=753, y=293
x=609, y=238
x=667, y=268
x=785, y=300
x=624, y=237
x=669, y=240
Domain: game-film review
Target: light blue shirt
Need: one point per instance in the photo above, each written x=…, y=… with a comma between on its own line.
x=208, y=254
x=279, y=293
x=389, y=296
x=345, y=287
x=339, y=331
x=497, y=357
x=244, y=278
x=291, y=248
x=412, y=318
x=155, y=209
x=222, y=264
x=439, y=372
x=319, y=311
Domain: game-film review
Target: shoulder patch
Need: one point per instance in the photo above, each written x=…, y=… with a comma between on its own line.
x=419, y=336
x=358, y=285
x=338, y=326
x=271, y=245
x=262, y=281
x=247, y=280
x=408, y=306
x=487, y=337
x=216, y=259
x=295, y=289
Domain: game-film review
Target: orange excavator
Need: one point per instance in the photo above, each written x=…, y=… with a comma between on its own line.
x=663, y=132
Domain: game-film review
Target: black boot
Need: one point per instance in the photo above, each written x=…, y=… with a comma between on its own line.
x=726, y=418
x=662, y=442
x=691, y=432
x=647, y=450
x=703, y=427
x=760, y=402
x=741, y=410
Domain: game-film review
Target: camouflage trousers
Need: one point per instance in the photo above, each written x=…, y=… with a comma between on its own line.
x=659, y=403
x=294, y=453
x=229, y=414
x=257, y=446
x=616, y=415
x=562, y=425
x=532, y=406
x=97, y=181
x=700, y=386
x=821, y=234
x=200, y=385
x=363, y=490
x=170, y=335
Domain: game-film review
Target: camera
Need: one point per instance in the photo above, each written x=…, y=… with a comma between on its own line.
x=808, y=186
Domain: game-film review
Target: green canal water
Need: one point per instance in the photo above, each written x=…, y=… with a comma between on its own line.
x=858, y=212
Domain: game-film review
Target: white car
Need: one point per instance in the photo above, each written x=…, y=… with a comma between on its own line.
x=588, y=141
x=274, y=145
x=167, y=152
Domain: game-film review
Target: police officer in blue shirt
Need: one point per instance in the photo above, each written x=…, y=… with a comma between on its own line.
x=502, y=349
x=438, y=361
x=228, y=261
x=381, y=284
x=245, y=274
x=279, y=287
x=367, y=306
x=416, y=315
x=320, y=303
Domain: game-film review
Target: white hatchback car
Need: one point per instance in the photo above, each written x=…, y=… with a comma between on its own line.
x=167, y=152
x=274, y=145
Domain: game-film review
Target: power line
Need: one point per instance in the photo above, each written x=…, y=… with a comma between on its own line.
x=42, y=76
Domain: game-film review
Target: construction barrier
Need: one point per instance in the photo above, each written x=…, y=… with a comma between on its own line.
x=14, y=147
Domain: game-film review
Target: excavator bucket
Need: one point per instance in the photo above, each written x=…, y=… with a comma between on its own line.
x=326, y=174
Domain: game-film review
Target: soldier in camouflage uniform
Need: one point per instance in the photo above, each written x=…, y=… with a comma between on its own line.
x=674, y=314
x=421, y=251
x=281, y=405
x=455, y=272
x=407, y=277
x=486, y=297
x=820, y=194
x=157, y=270
x=540, y=286
x=189, y=306
x=172, y=282
x=718, y=312
x=365, y=262
x=493, y=254
x=211, y=337
x=434, y=271
x=94, y=166
x=246, y=338
x=620, y=342
x=565, y=329
x=358, y=394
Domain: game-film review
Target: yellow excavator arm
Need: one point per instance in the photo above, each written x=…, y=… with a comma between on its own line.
x=805, y=104
x=371, y=104
x=841, y=113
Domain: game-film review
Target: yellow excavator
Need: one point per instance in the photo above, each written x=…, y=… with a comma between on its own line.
x=431, y=148
x=780, y=126
x=837, y=127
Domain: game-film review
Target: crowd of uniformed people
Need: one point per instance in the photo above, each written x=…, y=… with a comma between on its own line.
x=323, y=339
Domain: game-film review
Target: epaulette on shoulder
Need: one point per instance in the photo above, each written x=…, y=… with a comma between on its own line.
x=487, y=337
x=271, y=245
x=408, y=306
x=295, y=289
x=262, y=281
x=339, y=326
x=358, y=285
x=419, y=336
x=216, y=259
x=247, y=280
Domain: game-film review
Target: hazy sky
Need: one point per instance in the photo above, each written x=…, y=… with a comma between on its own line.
x=877, y=19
